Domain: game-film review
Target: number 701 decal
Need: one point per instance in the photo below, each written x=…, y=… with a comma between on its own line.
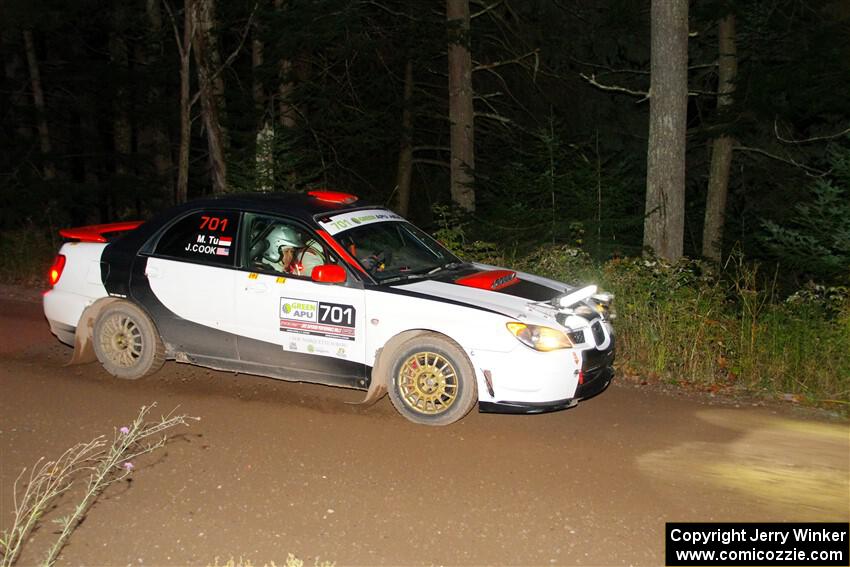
x=335, y=314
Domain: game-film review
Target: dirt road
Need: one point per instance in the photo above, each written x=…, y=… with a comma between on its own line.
x=274, y=468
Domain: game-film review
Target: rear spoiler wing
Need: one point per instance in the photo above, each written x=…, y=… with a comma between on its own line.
x=99, y=232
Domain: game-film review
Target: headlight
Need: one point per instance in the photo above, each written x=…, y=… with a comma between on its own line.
x=539, y=338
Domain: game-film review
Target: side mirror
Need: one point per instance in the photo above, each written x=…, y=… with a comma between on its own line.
x=328, y=273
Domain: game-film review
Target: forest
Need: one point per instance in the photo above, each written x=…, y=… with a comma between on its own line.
x=694, y=157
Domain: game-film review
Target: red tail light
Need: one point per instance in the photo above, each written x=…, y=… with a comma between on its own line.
x=56, y=269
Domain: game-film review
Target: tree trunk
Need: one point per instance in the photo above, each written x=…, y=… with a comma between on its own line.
x=207, y=26
x=40, y=110
x=264, y=137
x=461, y=112
x=122, y=133
x=153, y=136
x=12, y=65
x=209, y=101
x=405, y=154
x=721, y=150
x=185, y=49
x=286, y=110
x=664, y=223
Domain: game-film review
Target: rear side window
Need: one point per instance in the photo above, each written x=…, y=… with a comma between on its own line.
x=206, y=236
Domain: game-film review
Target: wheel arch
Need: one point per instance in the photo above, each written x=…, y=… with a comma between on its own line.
x=380, y=371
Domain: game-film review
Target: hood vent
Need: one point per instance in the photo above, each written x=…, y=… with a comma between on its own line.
x=492, y=280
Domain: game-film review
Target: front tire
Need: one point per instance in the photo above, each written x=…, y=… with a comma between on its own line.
x=432, y=381
x=126, y=342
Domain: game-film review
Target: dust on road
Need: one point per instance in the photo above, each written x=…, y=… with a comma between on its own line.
x=275, y=468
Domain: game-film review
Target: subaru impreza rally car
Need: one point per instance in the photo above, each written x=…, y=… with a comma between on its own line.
x=321, y=288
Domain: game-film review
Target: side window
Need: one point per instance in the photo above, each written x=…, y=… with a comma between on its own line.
x=281, y=247
x=205, y=236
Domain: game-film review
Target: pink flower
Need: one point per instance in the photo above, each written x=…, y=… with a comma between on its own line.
x=124, y=430
x=128, y=466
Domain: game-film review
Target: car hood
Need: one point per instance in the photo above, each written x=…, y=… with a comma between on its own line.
x=512, y=301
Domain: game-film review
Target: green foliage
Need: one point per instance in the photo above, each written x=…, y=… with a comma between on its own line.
x=816, y=238
x=278, y=161
x=561, y=192
x=453, y=228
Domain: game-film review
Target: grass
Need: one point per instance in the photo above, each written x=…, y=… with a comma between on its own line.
x=716, y=329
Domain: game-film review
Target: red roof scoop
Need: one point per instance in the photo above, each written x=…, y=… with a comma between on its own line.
x=98, y=232
x=492, y=280
x=333, y=196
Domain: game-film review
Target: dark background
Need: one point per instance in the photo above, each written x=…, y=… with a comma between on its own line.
x=557, y=159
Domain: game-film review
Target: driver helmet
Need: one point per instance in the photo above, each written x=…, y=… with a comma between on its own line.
x=281, y=236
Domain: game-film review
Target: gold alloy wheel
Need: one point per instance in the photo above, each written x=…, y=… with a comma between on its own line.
x=428, y=383
x=121, y=340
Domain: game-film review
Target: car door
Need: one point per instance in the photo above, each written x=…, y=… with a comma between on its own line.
x=188, y=285
x=290, y=326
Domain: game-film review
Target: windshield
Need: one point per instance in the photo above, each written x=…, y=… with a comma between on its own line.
x=391, y=251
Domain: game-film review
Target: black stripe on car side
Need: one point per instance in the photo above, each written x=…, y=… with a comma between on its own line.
x=421, y=295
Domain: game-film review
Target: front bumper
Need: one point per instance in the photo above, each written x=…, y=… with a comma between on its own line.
x=595, y=382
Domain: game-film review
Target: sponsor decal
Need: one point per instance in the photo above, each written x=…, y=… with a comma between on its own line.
x=324, y=346
x=317, y=318
x=298, y=309
x=317, y=329
x=280, y=280
x=253, y=276
x=345, y=221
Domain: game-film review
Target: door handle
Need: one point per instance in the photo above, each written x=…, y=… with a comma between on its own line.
x=152, y=272
x=256, y=287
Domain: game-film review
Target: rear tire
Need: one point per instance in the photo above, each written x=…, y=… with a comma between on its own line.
x=432, y=381
x=126, y=342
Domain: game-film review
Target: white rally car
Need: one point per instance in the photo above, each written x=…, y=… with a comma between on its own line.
x=320, y=288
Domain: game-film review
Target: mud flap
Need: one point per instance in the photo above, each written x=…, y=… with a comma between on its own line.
x=83, y=347
x=377, y=386
x=377, y=390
